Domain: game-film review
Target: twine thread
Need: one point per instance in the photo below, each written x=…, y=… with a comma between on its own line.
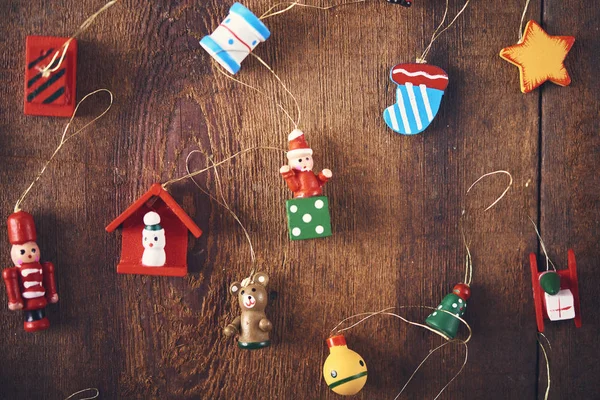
x=437, y=33
x=94, y=390
x=387, y=311
x=270, y=13
x=48, y=69
x=64, y=139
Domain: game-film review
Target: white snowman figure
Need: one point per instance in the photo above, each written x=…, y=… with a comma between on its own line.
x=154, y=241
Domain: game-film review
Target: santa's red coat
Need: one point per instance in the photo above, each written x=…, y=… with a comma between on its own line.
x=305, y=183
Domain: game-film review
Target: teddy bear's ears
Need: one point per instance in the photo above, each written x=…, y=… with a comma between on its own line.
x=261, y=278
x=235, y=288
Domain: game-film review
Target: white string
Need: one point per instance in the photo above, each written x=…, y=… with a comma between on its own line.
x=547, y=362
x=94, y=390
x=522, y=20
x=64, y=138
x=548, y=260
x=468, y=256
x=503, y=193
x=222, y=203
x=429, y=355
x=386, y=311
x=437, y=34
x=45, y=71
x=270, y=13
x=265, y=94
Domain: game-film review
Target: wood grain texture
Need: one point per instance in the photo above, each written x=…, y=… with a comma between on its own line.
x=570, y=194
x=396, y=202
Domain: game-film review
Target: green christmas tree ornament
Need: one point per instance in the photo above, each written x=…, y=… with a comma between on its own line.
x=454, y=303
x=550, y=282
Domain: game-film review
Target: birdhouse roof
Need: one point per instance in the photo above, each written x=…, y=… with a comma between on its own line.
x=158, y=191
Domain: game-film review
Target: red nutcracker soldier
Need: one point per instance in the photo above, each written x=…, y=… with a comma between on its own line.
x=298, y=174
x=308, y=211
x=30, y=285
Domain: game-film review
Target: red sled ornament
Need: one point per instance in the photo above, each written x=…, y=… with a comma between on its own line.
x=50, y=93
x=560, y=304
x=155, y=235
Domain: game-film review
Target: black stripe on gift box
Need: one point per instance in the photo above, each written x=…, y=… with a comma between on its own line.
x=40, y=58
x=55, y=77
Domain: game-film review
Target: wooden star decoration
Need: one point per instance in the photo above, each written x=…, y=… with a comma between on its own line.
x=539, y=57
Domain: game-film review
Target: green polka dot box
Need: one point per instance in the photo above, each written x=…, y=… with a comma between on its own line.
x=308, y=218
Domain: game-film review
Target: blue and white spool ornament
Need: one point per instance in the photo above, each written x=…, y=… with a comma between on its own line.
x=235, y=38
x=418, y=97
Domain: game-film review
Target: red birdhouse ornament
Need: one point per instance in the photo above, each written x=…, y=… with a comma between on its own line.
x=555, y=304
x=155, y=235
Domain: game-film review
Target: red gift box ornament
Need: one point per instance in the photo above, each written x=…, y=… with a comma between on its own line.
x=155, y=235
x=51, y=72
x=50, y=91
x=30, y=284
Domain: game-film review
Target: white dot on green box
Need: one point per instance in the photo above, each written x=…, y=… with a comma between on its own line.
x=308, y=218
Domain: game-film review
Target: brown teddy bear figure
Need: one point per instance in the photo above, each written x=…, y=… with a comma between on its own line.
x=252, y=326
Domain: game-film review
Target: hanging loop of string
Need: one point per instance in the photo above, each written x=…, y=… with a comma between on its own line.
x=265, y=94
x=214, y=165
x=439, y=31
x=64, y=139
x=289, y=5
x=468, y=257
x=548, y=260
x=94, y=394
x=294, y=122
x=387, y=311
x=222, y=202
x=49, y=68
x=523, y=20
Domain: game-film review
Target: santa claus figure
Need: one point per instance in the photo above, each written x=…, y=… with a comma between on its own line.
x=30, y=285
x=298, y=173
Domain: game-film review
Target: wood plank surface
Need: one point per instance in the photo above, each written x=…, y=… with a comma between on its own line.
x=396, y=202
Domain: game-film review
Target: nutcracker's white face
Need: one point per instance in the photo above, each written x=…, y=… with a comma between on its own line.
x=25, y=253
x=154, y=239
x=304, y=163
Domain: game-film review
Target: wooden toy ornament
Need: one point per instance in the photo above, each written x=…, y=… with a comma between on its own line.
x=456, y=304
x=419, y=89
x=539, y=57
x=418, y=97
x=446, y=318
x=31, y=283
x=52, y=92
x=241, y=31
x=235, y=38
x=146, y=225
x=308, y=213
x=51, y=72
x=344, y=370
x=555, y=293
x=252, y=326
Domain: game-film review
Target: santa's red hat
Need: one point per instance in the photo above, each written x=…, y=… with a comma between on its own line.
x=297, y=145
x=21, y=228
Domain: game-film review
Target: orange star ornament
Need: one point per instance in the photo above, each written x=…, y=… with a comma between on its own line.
x=539, y=57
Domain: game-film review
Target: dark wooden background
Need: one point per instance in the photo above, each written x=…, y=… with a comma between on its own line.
x=395, y=202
